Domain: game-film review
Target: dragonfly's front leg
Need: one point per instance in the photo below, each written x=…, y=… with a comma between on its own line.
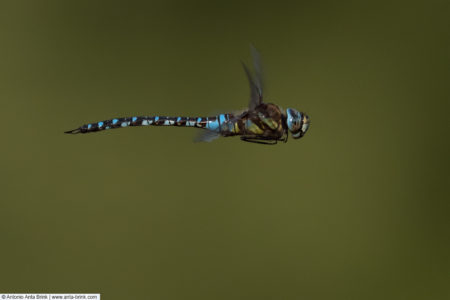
x=259, y=139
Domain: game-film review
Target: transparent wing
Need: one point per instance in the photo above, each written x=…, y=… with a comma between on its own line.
x=256, y=81
x=255, y=95
x=206, y=136
x=257, y=67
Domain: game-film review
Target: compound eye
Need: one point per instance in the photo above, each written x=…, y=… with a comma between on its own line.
x=293, y=123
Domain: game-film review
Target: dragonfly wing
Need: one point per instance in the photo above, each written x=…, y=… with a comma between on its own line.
x=259, y=72
x=256, y=81
x=255, y=92
x=206, y=136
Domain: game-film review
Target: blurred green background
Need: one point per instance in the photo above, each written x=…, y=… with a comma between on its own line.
x=357, y=209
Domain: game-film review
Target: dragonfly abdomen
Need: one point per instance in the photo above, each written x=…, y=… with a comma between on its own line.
x=210, y=123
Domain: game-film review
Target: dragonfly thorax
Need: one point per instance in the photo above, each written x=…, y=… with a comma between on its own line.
x=297, y=122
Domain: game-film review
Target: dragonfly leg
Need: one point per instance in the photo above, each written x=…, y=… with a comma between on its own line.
x=259, y=140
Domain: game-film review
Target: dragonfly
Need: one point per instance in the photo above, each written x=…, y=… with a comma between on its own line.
x=261, y=122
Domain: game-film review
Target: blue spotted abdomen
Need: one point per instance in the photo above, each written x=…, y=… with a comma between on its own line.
x=210, y=123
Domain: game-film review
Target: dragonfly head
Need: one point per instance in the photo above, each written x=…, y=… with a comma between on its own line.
x=297, y=122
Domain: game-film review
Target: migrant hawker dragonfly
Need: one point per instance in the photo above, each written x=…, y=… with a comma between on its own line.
x=262, y=123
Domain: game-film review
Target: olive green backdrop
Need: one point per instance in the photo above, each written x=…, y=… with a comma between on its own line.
x=357, y=209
